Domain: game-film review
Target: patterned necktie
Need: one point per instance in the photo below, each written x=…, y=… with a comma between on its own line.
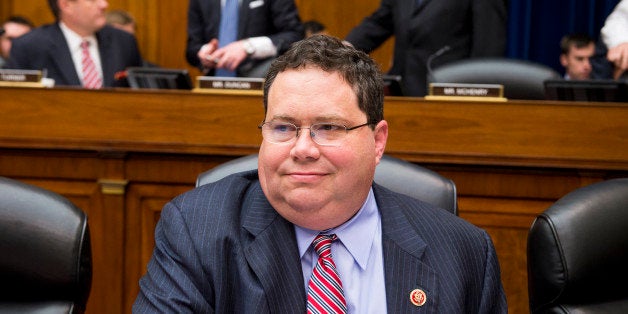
x=91, y=78
x=325, y=293
x=228, y=31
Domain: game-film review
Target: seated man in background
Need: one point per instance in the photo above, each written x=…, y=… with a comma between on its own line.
x=576, y=53
x=123, y=20
x=309, y=229
x=240, y=38
x=79, y=49
x=13, y=27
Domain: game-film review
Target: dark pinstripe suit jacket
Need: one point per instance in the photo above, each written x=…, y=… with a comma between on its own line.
x=46, y=48
x=222, y=248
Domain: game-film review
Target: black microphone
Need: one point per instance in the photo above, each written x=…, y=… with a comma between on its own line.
x=432, y=57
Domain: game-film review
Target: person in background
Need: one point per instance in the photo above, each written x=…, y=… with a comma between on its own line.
x=253, y=33
x=432, y=31
x=265, y=241
x=13, y=27
x=576, y=52
x=614, y=35
x=123, y=20
x=79, y=49
x=313, y=27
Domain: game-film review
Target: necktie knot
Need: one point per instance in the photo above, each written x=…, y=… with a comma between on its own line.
x=85, y=44
x=322, y=244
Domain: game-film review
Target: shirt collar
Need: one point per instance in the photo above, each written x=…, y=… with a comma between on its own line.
x=356, y=234
x=74, y=40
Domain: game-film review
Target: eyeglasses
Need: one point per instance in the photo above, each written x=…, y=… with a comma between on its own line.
x=324, y=134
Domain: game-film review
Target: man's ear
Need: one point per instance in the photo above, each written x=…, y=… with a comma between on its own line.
x=563, y=59
x=381, y=137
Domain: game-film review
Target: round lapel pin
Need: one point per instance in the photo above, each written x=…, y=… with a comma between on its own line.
x=418, y=297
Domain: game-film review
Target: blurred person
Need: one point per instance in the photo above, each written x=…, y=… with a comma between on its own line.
x=13, y=27
x=435, y=32
x=79, y=49
x=614, y=34
x=263, y=241
x=123, y=20
x=253, y=34
x=576, y=52
x=313, y=27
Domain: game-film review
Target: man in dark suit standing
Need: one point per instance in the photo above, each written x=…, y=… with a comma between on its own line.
x=79, y=49
x=264, y=29
x=250, y=242
x=443, y=30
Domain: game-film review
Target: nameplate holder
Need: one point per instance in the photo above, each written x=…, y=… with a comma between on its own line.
x=230, y=85
x=21, y=78
x=466, y=92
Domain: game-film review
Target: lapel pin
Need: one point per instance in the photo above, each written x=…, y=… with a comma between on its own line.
x=418, y=297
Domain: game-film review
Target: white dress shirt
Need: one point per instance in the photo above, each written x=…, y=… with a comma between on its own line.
x=74, y=43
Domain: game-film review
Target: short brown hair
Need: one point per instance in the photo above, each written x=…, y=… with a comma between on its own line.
x=330, y=54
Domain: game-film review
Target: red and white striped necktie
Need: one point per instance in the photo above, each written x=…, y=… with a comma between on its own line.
x=325, y=293
x=91, y=78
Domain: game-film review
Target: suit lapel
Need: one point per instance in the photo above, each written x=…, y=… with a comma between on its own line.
x=403, y=249
x=273, y=255
x=106, y=55
x=243, y=17
x=62, y=57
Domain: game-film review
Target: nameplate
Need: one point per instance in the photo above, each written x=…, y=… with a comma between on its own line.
x=23, y=76
x=463, y=91
x=215, y=83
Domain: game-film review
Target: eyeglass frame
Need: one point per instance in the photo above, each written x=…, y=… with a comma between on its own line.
x=312, y=135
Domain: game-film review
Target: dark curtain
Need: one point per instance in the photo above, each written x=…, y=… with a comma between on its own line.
x=535, y=27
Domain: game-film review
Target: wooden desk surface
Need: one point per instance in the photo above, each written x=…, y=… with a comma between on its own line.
x=516, y=133
x=121, y=154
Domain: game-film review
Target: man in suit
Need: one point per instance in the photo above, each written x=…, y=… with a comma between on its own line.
x=57, y=48
x=265, y=29
x=12, y=28
x=244, y=244
x=436, y=32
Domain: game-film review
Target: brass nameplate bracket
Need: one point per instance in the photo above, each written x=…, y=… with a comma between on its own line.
x=469, y=92
x=112, y=186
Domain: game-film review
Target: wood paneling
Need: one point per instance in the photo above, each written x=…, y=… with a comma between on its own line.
x=510, y=161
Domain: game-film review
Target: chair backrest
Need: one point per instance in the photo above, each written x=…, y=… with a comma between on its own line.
x=578, y=252
x=393, y=173
x=45, y=251
x=521, y=79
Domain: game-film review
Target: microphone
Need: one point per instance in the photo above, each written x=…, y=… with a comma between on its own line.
x=432, y=57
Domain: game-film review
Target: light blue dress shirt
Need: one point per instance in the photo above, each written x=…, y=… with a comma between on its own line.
x=358, y=255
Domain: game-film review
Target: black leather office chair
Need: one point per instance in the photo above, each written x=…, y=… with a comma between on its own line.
x=578, y=252
x=393, y=173
x=45, y=251
x=521, y=79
